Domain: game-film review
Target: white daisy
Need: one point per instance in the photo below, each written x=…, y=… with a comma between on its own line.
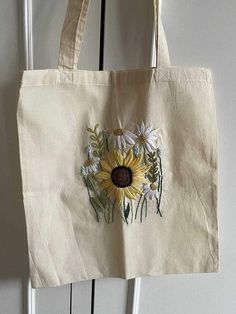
x=150, y=190
x=147, y=136
x=90, y=166
x=122, y=139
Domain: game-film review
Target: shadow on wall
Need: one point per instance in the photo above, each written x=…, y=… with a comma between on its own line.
x=13, y=243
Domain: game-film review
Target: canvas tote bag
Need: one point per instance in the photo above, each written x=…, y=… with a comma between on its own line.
x=119, y=168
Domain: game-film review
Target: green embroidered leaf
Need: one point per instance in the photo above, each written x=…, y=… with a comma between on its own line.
x=93, y=138
x=89, y=130
x=97, y=204
x=94, y=145
x=150, y=178
x=95, y=153
x=127, y=211
x=90, y=183
x=153, y=171
x=103, y=198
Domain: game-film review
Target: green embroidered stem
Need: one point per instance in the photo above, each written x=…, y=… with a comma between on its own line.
x=132, y=211
x=106, y=140
x=160, y=182
x=109, y=215
x=141, y=213
x=158, y=206
x=144, y=154
x=113, y=211
x=124, y=212
x=136, y=211
x=104, y=214
x=146, y=207
x=96, y=213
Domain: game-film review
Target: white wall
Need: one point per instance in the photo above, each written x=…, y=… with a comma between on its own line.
x=199, y=33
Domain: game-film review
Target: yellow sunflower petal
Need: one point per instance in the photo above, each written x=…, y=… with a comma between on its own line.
x=129, y=158
x=118, y=157
x=139, y=179
x=106, y=184
x=102, y=175
x=111, y=191
x=128, y=193
x=105, y=165
x=141, y=169
x=135, y=189
x=134, y=164
x=111, y=160
x=141, y=159
x=119, y=193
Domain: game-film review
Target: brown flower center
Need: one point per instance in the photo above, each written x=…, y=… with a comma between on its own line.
x=118, y=132
x=142, y=139
x=121, y=176
x=153, y=186
x=88, y=162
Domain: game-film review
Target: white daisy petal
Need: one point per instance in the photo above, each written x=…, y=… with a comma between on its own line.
x=149, y=128
x=142, y=127
x=130, y=141
x=123, y=142
x=138, y=130
x=130, y=134
x=119, y=142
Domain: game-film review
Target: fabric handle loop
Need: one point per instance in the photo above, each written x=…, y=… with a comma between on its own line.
x=73, y=32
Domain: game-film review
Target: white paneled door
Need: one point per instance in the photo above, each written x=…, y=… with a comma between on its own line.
x=29, y=38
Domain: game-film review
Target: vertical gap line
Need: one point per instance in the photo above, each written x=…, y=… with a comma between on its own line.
x=102, y=35
x=93, y=296
x=101, y=67
x=70, y=298
x=28, y=65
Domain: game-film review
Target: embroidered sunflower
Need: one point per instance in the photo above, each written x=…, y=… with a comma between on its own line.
x=122, y=175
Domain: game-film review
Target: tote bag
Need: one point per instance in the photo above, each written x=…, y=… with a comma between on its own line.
x=119, y=168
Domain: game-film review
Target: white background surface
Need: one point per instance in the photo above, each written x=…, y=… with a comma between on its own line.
x=199, y=33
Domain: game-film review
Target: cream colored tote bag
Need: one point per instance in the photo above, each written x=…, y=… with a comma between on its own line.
x=119, y=168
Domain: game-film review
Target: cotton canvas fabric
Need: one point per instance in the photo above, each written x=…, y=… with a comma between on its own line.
x=56, y=106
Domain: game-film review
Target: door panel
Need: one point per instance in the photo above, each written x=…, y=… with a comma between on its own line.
x=53, y=300
x=81, y=297
x=110, y=296
x=13, y=246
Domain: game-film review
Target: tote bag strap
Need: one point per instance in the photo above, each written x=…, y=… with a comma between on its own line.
x=73, y=31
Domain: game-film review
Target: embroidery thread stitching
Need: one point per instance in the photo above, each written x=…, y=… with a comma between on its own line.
x=123, y=172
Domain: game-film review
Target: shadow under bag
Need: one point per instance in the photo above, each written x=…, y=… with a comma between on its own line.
x=119, y=168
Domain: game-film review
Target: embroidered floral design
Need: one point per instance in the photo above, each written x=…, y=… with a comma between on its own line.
x=147, y=137
x=123, y=172
x=122, y=139
x=121, y=175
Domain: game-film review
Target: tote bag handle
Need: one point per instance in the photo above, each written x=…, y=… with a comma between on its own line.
x=73, y=32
